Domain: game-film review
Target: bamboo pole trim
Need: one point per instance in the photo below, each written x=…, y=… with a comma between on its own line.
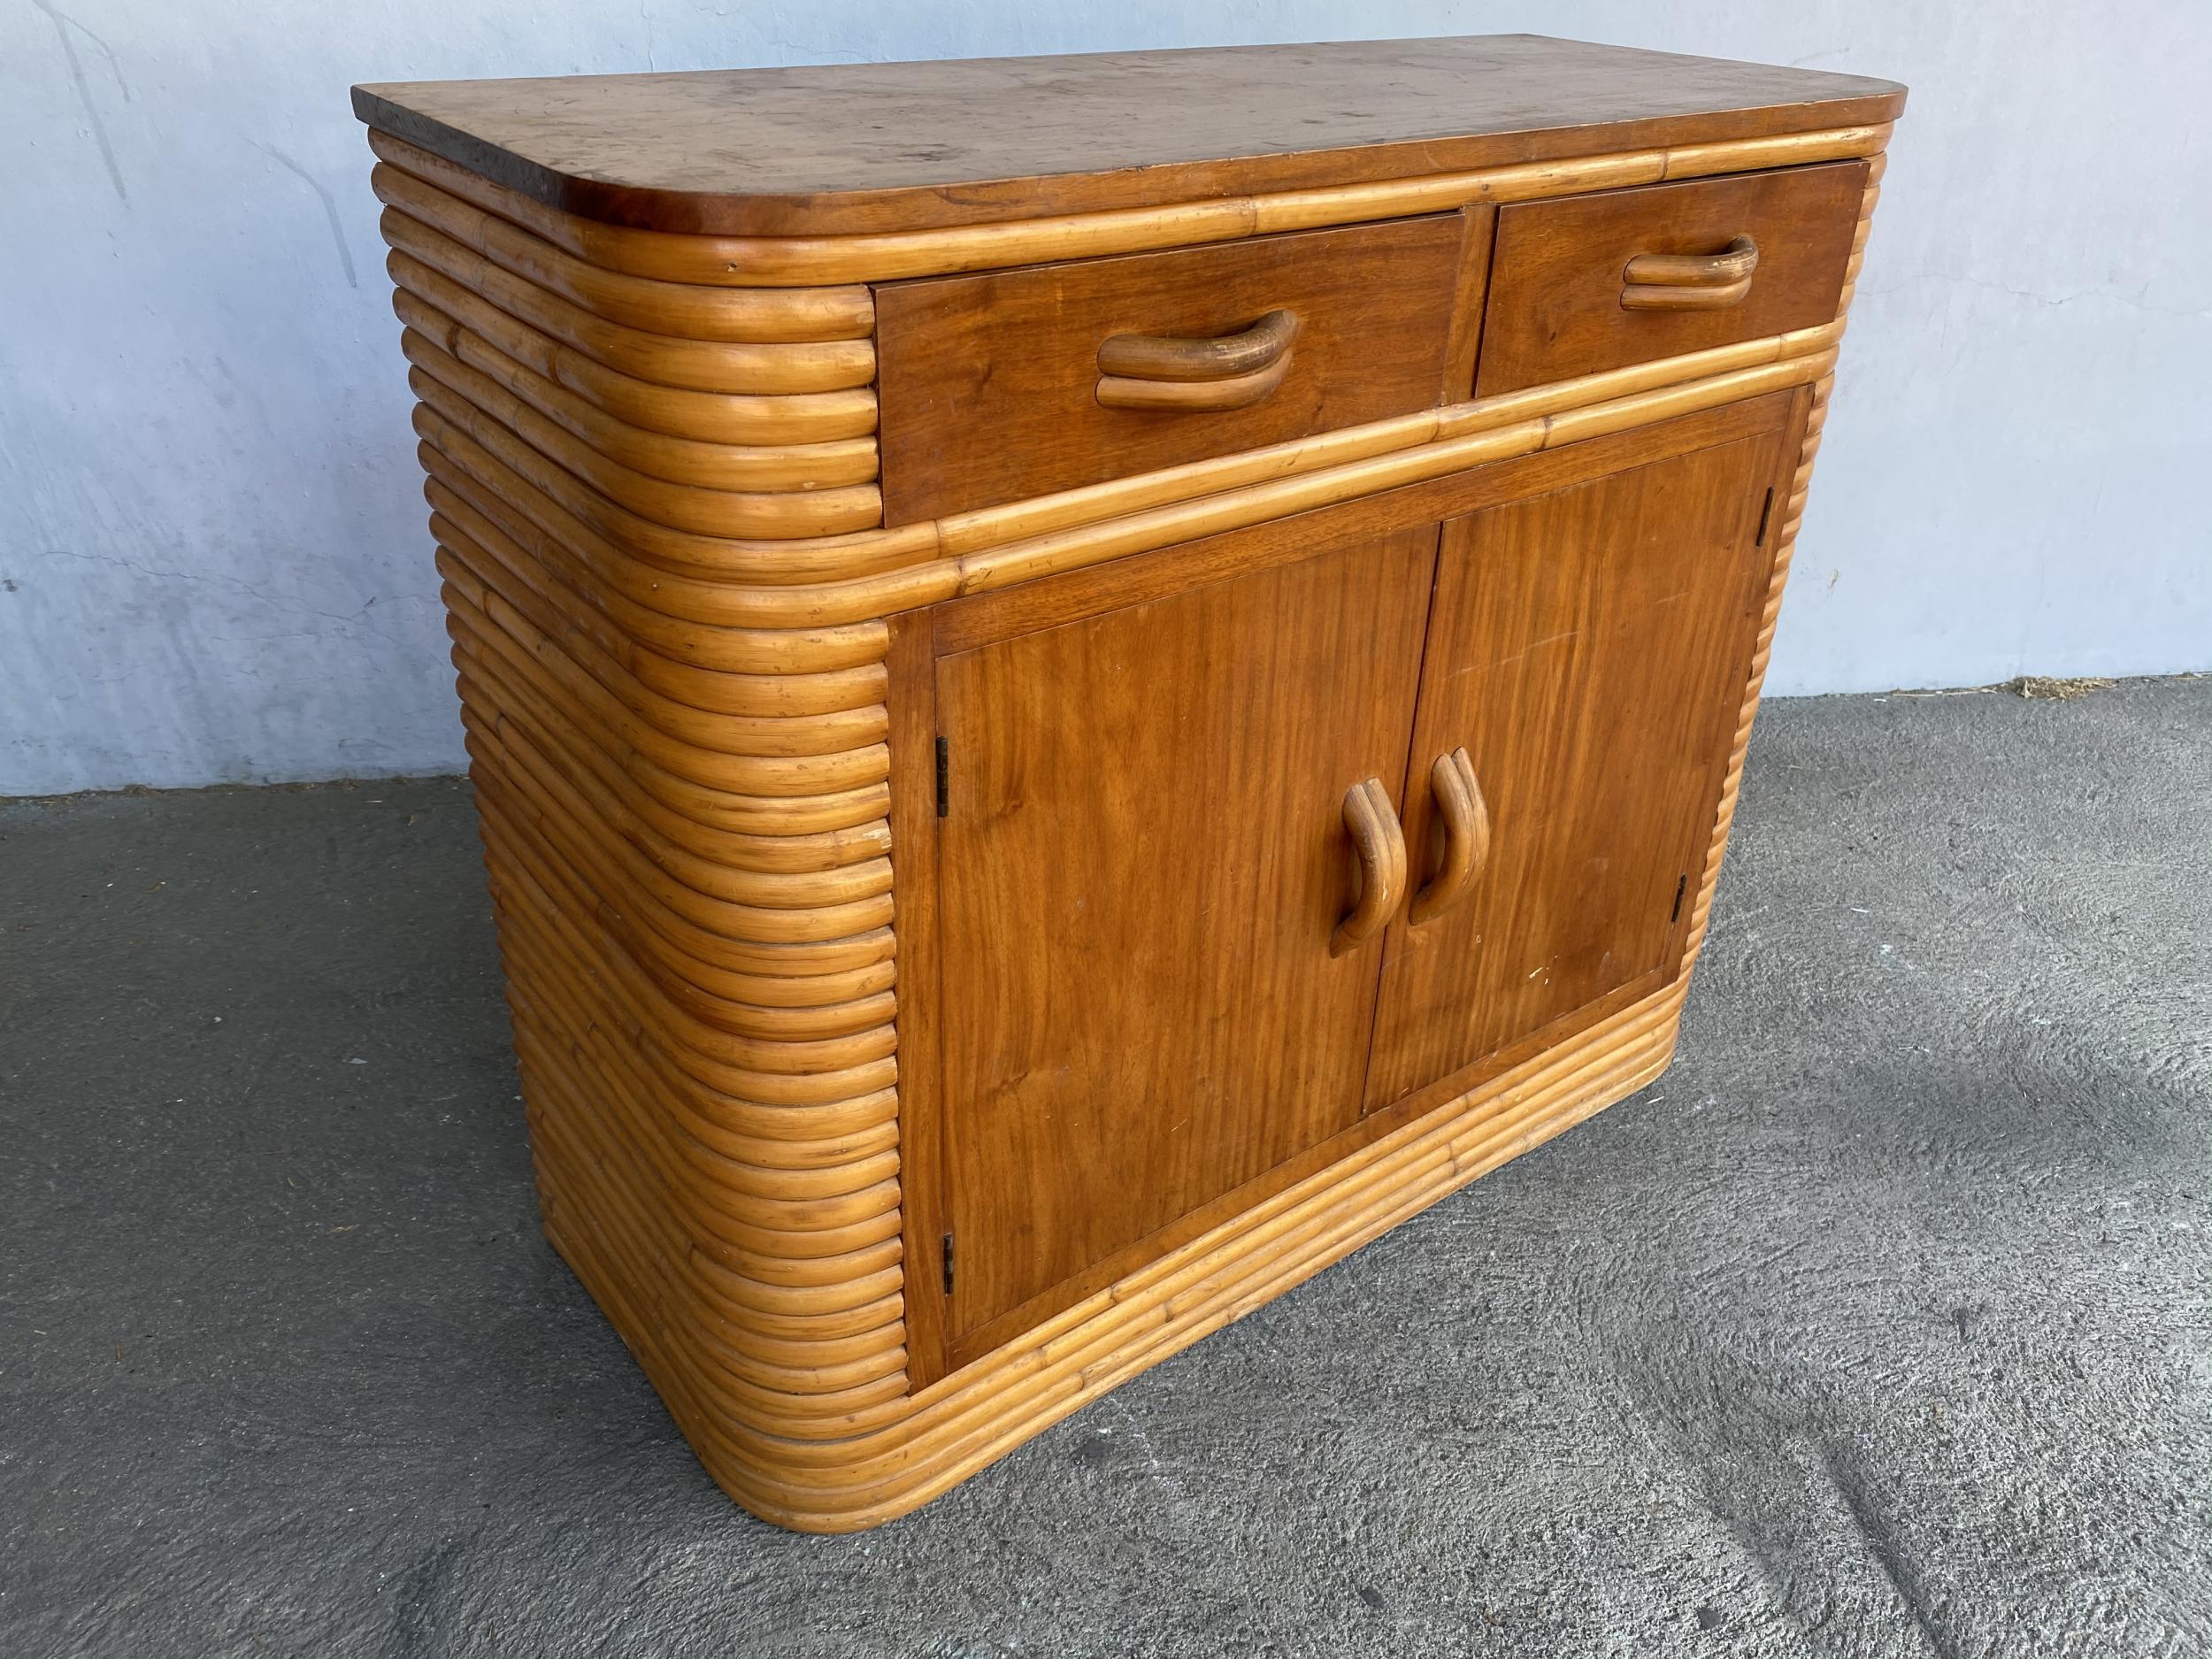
x=714, y=416
x=663, y=456
x=685, y=311
x=705, y=365
x=798, y=261
x=673, y=509
x=674, y=571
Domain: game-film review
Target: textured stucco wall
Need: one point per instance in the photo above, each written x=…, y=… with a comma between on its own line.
x=212, y=558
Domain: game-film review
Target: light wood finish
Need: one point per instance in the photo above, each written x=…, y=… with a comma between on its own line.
x=1192, y=397
x=1690, y=281
x=1005, y=387
x=1226, y=357
x=699, y=672
x=1463, y=823
x=1372, y=821
x=1578, y=287
x=1668, y=297
x=1731, y=264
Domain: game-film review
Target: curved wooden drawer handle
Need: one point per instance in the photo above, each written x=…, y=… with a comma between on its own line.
x=1690, y=281
x=1231, y=372
x=1381, y=845
x=1225, y=357
x=1466, y=836
x=1190, y=396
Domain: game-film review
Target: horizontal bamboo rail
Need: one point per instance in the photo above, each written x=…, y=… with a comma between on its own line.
x=658, y=568
x=799, y=261
x=651, y=469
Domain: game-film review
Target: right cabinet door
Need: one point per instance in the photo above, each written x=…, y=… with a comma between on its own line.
x=1588, y=650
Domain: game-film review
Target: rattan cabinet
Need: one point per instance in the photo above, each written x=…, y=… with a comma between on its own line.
x=1091, y=680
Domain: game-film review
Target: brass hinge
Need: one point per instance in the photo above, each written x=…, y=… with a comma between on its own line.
x=944, y=784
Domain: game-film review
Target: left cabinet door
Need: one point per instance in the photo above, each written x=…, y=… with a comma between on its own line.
x=1143, y=863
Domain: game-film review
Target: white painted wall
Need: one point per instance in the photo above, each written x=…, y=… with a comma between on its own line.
x=212, y=558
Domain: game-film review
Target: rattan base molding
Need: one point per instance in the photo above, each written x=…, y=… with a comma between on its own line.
x=971, y=1418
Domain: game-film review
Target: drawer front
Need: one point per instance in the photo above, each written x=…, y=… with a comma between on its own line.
x=1598, y=283
x=1003, y=385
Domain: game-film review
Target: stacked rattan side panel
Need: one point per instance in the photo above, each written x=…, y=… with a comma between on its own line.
x=685, y=818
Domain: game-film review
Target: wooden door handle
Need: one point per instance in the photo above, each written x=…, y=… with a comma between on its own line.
x=1158, y=371
x=1381, y=845
x=1690, y=281
x=1459, y=804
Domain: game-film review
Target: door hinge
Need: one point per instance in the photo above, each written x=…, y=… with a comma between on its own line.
x=948, y=1264
x=1681, y=887
x=944, y=786
x=1766, y=512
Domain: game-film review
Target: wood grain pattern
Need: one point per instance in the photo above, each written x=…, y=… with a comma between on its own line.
x=1093, y=589
x=869, y=147
x=1152, y=800
x=1371, y=820
x=1462, y=837
x=1222, y=357
x=1581, y=650
x=1074, y=598
x=1690, y=281
x=991, y=389
x=1564, y=298
x=1477, y=235
x=1192, y=397
x=680, y=629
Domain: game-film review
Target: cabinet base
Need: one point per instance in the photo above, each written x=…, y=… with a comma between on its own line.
x=894, y=1457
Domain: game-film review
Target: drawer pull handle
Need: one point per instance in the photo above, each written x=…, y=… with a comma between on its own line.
x=1225, y=357
x=1381, y=845
x=1157, y=372
x=1459, y=804
x=1690, y=281
x=1192, y=397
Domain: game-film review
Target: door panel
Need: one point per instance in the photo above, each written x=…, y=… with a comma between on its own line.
x=1589, y=649
x=1141, y=861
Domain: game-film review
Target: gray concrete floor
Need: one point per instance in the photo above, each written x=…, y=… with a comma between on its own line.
x=1877, y=1327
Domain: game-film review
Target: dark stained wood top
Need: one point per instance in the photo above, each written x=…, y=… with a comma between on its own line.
x=844, y=148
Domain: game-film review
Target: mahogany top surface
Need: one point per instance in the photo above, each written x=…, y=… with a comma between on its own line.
x=845, y=149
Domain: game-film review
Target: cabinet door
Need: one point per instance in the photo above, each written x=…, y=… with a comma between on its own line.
x=1589, y=649
x=1141, y=861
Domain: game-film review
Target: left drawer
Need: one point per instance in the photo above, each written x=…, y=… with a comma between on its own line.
x=991, y=384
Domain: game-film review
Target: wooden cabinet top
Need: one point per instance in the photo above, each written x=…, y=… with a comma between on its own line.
x=854, y=148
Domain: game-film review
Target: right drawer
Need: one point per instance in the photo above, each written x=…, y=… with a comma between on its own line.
x=1598, y=283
